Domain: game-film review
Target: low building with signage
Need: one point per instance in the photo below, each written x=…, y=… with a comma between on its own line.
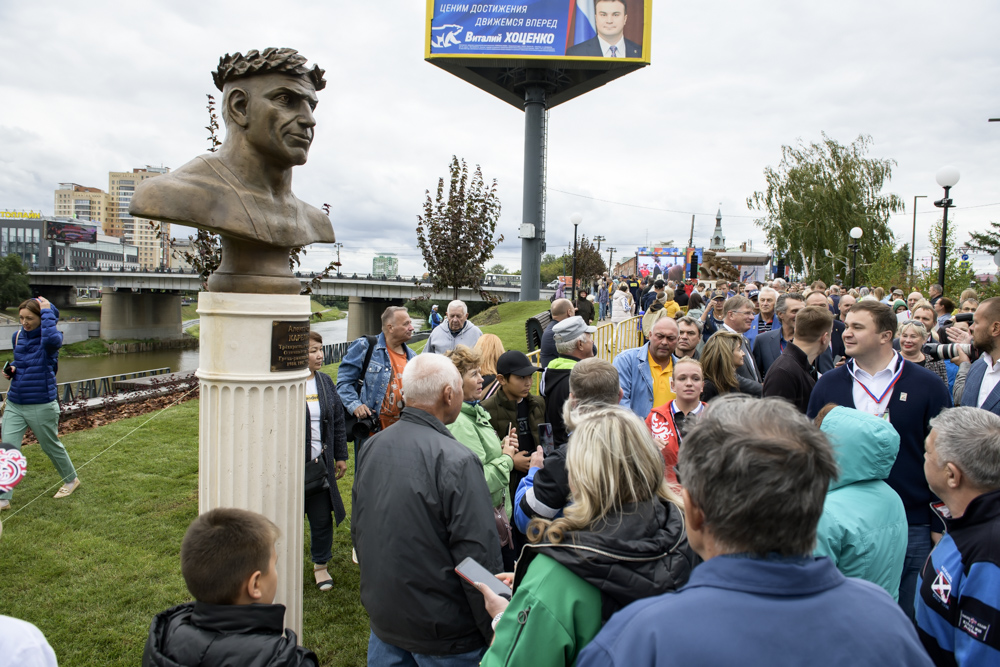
x=49, y=243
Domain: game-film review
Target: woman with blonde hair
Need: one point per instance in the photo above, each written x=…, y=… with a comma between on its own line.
x=490, y=347
x=472, y=428
x=721, y=356
x=912, y=336
x=622, y=539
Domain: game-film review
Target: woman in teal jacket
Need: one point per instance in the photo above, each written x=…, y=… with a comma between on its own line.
x=473, y=429
x=863, y=528
x=622, y=539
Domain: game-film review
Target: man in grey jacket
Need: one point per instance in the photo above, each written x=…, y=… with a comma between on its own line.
x=460, y=331
x=421, y=506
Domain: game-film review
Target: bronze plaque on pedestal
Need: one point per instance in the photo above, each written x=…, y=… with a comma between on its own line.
x=289, y=345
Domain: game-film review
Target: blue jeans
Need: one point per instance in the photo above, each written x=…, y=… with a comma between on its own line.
x=918, y=548
x=381, y=654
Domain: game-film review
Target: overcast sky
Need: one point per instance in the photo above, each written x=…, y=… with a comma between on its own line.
x=101, y=86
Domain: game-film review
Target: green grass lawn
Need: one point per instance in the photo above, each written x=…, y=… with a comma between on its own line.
x=92, y=570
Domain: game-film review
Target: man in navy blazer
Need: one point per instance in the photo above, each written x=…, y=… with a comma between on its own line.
x=767, y=347
x=982, y=387
x=878, y=381
x=610, y=17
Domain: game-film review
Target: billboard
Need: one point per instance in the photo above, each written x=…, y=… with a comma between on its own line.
x=594, y=40
x=70, y=232
x=581, y=29
x=657, y=262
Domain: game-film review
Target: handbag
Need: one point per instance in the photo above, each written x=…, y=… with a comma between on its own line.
x=350, y=421
x=503, y=523
x=317, y=479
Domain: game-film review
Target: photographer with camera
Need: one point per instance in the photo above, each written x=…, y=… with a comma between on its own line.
x=32, y=397
x=369, y=380
x=977, y=382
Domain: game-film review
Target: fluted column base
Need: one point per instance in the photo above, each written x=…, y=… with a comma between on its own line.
x=251, y=434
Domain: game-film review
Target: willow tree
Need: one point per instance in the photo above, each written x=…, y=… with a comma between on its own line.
x=455, y=234
x=816, y=195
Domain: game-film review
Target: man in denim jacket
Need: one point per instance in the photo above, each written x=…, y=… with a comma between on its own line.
x=380, y=396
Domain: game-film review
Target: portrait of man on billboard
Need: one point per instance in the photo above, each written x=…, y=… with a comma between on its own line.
x=610, y=17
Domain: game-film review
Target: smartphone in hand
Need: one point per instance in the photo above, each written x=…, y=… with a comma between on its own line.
x=475, y=573
x=545, y=438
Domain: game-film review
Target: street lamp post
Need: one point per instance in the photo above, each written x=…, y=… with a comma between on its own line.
x=947, y=178
x=856, y=233
x=611, y=253
x=576, y=219
x=913, y=241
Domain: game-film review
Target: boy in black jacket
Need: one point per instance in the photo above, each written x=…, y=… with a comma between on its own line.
x=229, y=564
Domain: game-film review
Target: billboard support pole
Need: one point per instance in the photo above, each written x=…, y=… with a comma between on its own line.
x=531, y=210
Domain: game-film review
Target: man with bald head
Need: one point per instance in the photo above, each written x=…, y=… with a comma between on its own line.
x=846, y=301
x=911, y=305
x=645, y=372
x=560, y=310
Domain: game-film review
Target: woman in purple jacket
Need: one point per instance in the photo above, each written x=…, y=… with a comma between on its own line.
x=31, y=399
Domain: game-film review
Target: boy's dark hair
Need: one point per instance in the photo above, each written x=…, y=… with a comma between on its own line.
x=222, y=549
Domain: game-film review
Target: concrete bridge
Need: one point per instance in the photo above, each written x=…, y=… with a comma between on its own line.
x=147, y=304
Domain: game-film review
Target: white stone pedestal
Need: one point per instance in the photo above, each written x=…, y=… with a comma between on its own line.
x=252, y=424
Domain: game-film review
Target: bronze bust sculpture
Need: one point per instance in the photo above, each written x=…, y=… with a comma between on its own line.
x=244, y=191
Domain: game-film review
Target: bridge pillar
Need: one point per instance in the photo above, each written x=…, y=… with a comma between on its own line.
x=364, y=316
x=60, y=296
x=127, y=314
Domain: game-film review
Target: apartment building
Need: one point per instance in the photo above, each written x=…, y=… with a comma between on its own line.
x=84, y=203
x=153, y=253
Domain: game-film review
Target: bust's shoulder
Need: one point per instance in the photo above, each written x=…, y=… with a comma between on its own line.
x=181, y=195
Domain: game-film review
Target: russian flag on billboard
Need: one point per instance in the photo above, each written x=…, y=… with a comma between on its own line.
x=584, y=22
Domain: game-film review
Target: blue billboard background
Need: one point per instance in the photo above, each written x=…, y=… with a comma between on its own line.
x=519, y=28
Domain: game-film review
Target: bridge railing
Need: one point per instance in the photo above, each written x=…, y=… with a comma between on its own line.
x=96, y=387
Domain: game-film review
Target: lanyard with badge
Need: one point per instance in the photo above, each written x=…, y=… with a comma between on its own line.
x=885, y=394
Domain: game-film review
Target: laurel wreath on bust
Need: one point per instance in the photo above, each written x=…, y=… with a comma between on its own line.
x=271, y=60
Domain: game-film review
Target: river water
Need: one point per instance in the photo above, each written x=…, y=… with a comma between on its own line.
x=81, y=368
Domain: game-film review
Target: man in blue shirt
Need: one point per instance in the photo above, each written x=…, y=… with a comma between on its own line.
x=755, y=475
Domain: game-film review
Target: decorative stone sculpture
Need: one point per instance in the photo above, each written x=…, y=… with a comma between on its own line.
x=244, y=191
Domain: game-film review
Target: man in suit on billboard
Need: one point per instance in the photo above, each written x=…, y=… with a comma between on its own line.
x=610, y=17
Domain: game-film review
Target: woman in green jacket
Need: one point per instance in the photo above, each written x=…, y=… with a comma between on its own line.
x=622, y=539
x=473, y=429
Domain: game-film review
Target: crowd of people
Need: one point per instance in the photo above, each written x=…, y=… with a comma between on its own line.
x=778, y=477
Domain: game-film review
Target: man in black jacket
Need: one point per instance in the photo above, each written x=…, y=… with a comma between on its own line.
x=421, y=506
x=792, y=376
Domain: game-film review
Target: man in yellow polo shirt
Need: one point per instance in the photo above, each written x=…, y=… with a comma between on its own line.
x=644, y=372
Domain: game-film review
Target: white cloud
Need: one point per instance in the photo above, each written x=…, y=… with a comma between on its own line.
x=107, y=86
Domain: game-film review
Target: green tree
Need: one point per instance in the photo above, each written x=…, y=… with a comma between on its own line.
x=589, y=263
x=551, y=267
x=986, y=241
x=498, y=269
x=455, y=234
x=816, y=195
x=14, y=286
x=955, y=279
x=889, y=268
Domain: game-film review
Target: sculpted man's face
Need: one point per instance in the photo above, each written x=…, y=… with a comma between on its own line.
x=277, y=114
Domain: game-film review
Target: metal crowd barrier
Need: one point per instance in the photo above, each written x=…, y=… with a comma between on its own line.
x=95, y=387
x=610, y=339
